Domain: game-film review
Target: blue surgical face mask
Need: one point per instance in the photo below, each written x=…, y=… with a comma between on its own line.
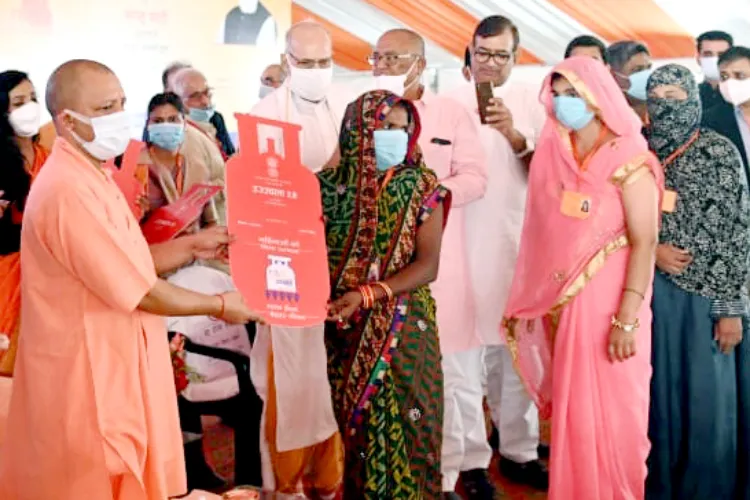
x=202, y=115
x=572, y=112
x=638, y=82
x=169, y=136
x=390, y=147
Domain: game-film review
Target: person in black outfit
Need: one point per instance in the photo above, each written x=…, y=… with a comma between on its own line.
x=711, y=45
x=731, y=118
x=731, y=115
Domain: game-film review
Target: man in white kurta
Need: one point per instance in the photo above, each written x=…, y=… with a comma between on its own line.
x=303, y=406
x=493, y=234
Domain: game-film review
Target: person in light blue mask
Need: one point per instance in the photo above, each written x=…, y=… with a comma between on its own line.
x=170, y=172
x=631, y=65
x=385, y=211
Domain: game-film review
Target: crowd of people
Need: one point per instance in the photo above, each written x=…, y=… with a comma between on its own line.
x=575, y=252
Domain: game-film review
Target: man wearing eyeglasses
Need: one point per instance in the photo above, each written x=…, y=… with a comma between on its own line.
x=514, y=120
x=452, y=148
x=192, y=87
x=297, y=441
x=306, y=97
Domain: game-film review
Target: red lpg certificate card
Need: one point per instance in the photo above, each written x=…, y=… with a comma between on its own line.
x=169, y=221
x=279, y=260
x=126, y=176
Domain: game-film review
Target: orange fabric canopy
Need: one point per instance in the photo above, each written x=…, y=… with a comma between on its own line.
x=348, y=50
x=641, y=20
x=441, y=21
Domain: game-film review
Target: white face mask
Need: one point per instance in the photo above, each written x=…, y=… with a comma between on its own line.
x=26, y=119
x=311, y=84
x=111, y=134
x=735, y=91
x=710, y=67
x=396, y=83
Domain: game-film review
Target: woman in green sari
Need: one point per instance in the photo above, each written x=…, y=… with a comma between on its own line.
x=384, y=212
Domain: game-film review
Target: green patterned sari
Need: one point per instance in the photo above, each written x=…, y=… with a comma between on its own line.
x=384, y=368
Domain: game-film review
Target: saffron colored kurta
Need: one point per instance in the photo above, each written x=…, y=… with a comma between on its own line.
x=93, y=413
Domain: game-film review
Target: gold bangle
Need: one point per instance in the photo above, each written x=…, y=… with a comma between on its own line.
x=632, y=290
x=626, y=327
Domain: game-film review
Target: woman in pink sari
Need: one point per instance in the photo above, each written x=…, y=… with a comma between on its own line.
x=578, y=320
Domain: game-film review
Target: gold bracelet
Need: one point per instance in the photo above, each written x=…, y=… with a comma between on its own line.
x=625, y=327
x=632, y=290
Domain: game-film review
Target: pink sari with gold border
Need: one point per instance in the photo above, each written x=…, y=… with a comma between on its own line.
x=567, y=285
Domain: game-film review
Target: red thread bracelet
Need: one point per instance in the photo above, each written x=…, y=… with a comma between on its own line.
x=223, y=306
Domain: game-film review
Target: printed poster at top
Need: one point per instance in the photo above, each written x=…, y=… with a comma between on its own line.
x=279, y=260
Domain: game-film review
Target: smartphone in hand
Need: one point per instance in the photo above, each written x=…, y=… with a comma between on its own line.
x=484, y=94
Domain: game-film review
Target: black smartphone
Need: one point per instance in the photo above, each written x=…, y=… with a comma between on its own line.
x=484, y=94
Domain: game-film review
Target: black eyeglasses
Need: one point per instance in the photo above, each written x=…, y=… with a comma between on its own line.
x=484, y=56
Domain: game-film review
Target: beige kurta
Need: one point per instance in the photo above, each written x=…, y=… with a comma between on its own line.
x=94, y=411
x=205, y=154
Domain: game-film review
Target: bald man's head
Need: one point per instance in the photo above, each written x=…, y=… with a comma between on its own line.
x=309, y=40
x=400, y=53
x=407, y=40
x=69, y=81
x=80, y=91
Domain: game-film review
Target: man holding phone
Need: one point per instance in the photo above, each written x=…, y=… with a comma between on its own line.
x=452, y=148
x=511, y=118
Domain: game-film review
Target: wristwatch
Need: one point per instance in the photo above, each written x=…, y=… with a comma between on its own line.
x=625, y=327
x=529, y=148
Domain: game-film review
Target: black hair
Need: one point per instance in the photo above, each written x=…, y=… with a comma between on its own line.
x=714, y=36
x=495, y=26
x=175, y=66
x=586, y=41
x=467, y=58
x=619, y=53
x=735, y=53
x=162, y=99
x=15, y=180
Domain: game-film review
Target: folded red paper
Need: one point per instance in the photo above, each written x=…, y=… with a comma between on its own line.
x=169, y=221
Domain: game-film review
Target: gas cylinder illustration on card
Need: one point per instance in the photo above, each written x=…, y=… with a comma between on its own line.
x=279, y=259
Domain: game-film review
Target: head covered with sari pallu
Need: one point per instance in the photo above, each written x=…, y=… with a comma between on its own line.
x=559, y=254
x=371, y=229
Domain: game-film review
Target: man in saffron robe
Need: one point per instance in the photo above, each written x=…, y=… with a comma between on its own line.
x=94, y=410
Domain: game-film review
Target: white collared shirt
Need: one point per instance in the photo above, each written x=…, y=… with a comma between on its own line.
x=494, y=223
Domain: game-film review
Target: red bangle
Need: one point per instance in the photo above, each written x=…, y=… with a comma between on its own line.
x=368, y=296
x=386, y=289
x=223, y=305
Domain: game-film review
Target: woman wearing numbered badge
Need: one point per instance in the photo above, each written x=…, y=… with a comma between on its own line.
x=578, y=321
